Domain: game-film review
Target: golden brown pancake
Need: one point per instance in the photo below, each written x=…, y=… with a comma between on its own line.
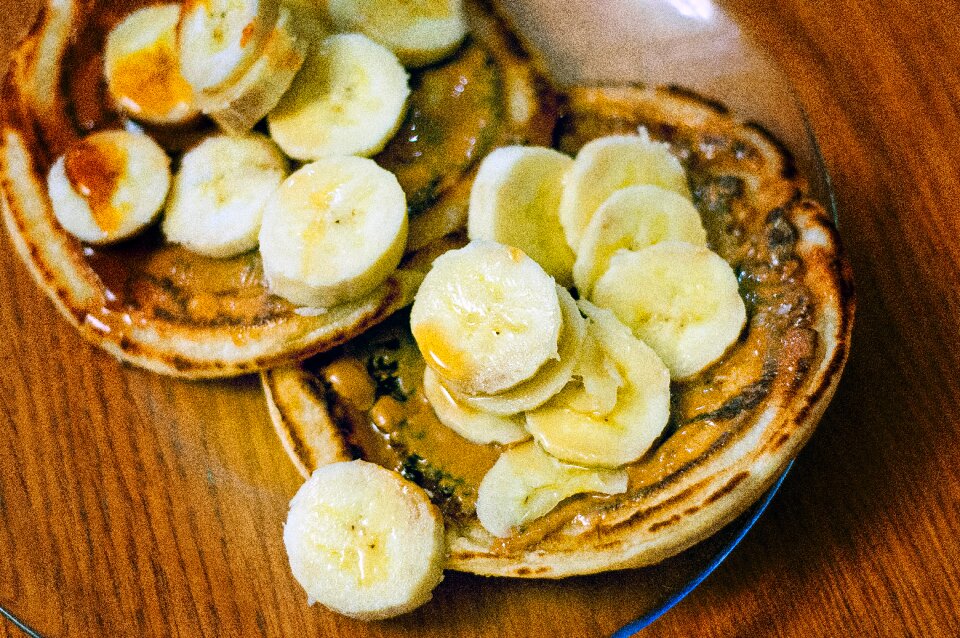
x=164, y=308
x=733, y=428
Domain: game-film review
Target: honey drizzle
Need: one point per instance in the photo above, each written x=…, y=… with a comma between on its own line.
x=95, y=168
x=148, y=82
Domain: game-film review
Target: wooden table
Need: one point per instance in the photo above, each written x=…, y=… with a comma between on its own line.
x=162, y=500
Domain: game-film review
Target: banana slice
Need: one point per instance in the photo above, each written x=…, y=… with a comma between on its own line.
x=220, y=39
x=548, y=380
x=568, y=427
x=514, y=200
x=634, y=218
x=525, y=483
x=142, y=67
x=682, y=300
x=606, y=165
x=419, y=32
x=363, y=541
x=599, y=376
x=333, y=231
x=473, y=425
x=109, y=186
x=243, y=104
x=486, y=317
x=218, y=194
x=349, y=100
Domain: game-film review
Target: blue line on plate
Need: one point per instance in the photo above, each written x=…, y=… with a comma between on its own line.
x=625, y=631
x=643, y=621
x=19, y=624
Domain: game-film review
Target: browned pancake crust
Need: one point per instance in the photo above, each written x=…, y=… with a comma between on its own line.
x=734, y=427
x=166, y=309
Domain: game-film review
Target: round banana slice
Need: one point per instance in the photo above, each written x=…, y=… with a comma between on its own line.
x=548, y=380
x=216, y=203
x=571, y=428
x=525, y=483
x=261, y=87
x=514, y=200
x=606, y=165
x=634, y=218
x=419, y=32
x=486, y=317
x=109, y=186
x=682, y=300
x=349, y=100
x=473, y=425
x=142, y=67
x=363, y=541
x=220, y=39
x=333, y=231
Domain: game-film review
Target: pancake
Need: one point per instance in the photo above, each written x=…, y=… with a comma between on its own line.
x=733, y=428
x=159, y=306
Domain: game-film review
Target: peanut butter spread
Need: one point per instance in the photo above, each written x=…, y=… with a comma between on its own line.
x=381, y=409
x=453, y=119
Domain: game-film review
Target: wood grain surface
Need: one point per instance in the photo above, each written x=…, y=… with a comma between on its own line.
x=132, y=504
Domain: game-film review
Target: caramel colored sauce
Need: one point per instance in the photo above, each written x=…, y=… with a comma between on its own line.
x=439, y=348
x=452, y=119
x=348, y=379
x=413, y=431
x=190, y=5
x=399, y=429
x=154, y=280
x=148, y=82
x=247, y=34
x=95, y=168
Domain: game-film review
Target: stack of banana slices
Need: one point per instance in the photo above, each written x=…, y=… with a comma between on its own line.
x=280, y=233
x=658, y=305
x=511, y=356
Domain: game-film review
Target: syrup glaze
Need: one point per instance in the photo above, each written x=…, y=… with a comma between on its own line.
x=95, y=168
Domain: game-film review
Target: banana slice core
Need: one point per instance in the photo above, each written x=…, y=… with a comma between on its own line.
x=220, y=39
x=548, y=380
x=632, y=219
x=515, y=200
x=682, y=300
x=349, y=99
x=486, y=317
x=216, y=204
x=109, y=186
x=363, y=541
x=607, y=164
x=333, y=231
x=142, y=67
x=237, y=107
